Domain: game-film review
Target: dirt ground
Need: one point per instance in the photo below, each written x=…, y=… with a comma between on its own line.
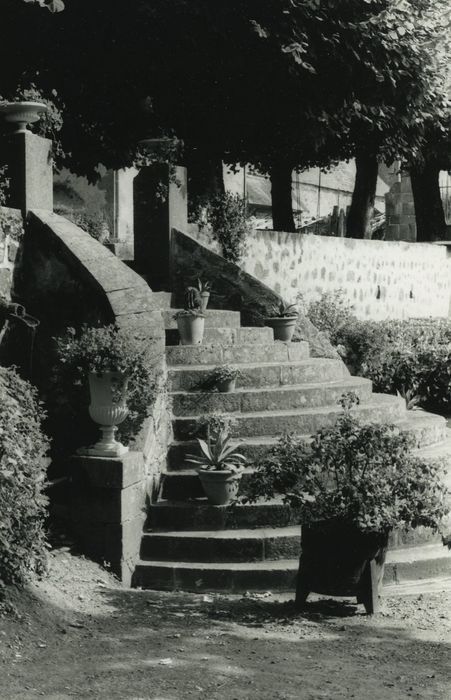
x=77, y=634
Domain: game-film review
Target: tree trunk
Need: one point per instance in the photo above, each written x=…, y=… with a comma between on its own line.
x=358, y=224
x=429, y=213
x=281, y=196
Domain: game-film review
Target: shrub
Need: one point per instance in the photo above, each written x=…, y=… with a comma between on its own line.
x=329, y=313
x=94, y=223
x=226, y=214
x=23, y=449
x=364, y=474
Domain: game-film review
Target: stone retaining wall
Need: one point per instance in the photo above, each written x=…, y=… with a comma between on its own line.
x=381, y=279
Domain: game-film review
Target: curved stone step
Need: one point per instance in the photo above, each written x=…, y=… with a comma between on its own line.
x=214, y=318
x=228, y=336
x=187, y=355
x=279, y=575
x=428, y=430
x=259, y=375
x=184, y=484
x=417, y=563
x=222, y=545
x=269, y=399
x=303, y=420
x=199, y=515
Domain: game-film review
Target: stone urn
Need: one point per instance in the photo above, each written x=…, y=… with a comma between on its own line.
x=22, y=113
x=108, y=408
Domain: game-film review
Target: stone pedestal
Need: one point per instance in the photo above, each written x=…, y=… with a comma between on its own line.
x=400, y=211
x=160, y=205
x=107, y=510
x=30, y=171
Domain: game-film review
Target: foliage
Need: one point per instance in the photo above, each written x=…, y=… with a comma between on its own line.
x=4, y=184
x=225, y=373
x=192, y=299
x=94, y=223
x=23, y=464
x=217, y=454
x=226, y=214
x=412, y=358
x=283, y=310
x=203, y=287
x=104, y=349
x=364, y=474
x=329, y=313
x=194, y=313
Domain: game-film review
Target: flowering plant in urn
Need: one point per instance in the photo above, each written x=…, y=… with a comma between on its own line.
x=109, y=357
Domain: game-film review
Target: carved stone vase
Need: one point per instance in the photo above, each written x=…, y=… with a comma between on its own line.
x=108, y=408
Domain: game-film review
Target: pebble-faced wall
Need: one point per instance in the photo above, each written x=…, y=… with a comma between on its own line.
x=381, y=279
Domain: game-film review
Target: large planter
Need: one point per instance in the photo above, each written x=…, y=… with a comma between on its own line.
x=23, y=113
x=338, y=559
x=108, y=408
x=191, y=329
x=221, y=487
x=283, y=327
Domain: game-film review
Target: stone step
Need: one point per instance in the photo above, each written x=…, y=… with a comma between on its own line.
x=303, y=420
x=185, y=484
x=228, y=336
x=213, y=318
x=222, y=545
x=187, y=355
x=429, y=432
x=238, y=577
x=259, y=375
x=269, y=399
x=415, y=564
x=199, y=515
x=162, y=300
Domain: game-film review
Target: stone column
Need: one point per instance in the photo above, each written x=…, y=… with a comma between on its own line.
x=30, y=171
x=107, y=510
x=160, y=205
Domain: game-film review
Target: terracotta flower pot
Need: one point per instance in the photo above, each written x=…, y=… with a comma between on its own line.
x=204, y=299
x=108, y=408
x=191, y=329
x=283, y=327
x=221, y=487
x=225, y=386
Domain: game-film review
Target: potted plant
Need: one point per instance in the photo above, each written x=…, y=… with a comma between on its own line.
x=219, y=466
x=224, y=377
x=204, y=291
x=190, y=324
x=283, y=321
x=113, y=361
x=351, y=486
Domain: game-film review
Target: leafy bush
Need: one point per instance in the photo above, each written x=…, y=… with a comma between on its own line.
x=22, y=479
x=100, y=350
x=364, y=474
x=94, y=223
x=4, y=184
x=226, y=214
x=329, y=313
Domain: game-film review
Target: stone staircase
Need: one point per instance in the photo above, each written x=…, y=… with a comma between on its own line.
x=194, y=546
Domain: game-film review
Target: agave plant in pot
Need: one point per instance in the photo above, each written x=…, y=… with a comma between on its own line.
x=191, y=319
x=219, y=466
x=111, y=360
x=282, y=320
x=204, y=291
x=353, y=485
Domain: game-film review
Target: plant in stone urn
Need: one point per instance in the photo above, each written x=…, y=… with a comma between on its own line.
x=204, y=291
x=191, y=319
x=109, y=358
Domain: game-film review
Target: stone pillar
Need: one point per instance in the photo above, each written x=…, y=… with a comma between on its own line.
x=30, y=171
x=400, y=222
x=160, y=205
x=108, y=509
